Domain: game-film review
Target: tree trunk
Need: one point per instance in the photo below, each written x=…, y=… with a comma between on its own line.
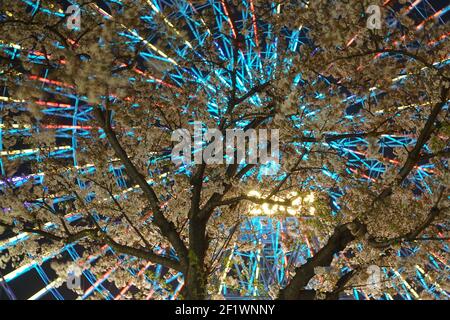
x=195, y=282
x=195, y=277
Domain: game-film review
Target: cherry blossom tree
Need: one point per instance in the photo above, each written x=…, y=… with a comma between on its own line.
x=343, y=81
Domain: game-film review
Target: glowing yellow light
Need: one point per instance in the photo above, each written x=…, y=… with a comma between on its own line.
x=6, y=99
x=255, y=211
x=291, y=211
x=15, y=126
x=309, y=198
x=272, y=208
x=297, y=202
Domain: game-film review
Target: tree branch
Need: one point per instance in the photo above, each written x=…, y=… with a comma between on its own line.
x=94, y=235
